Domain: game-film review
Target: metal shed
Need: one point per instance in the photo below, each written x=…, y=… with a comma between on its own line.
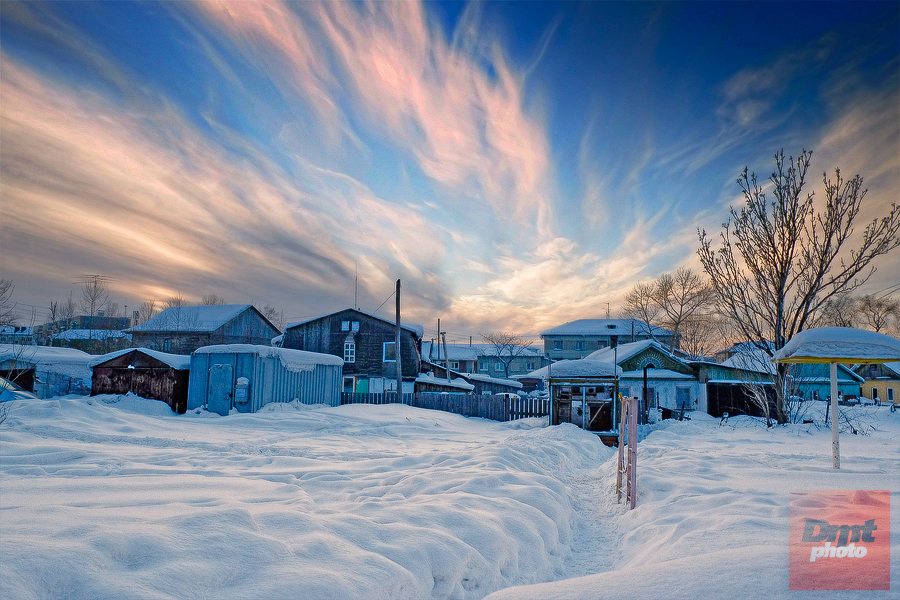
x=146, y=373
x=247, y=377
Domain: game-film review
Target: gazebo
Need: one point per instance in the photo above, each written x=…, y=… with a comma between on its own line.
x=833, y=345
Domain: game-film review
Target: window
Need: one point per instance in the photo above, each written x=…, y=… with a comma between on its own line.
x=530, y=365
x=483, y=365
x=498, y=366
x=349, y=352
x=557, y=345
x=579, y=345
x=874, y=393
x=454, y=365
x=389, y=351
x=345, y=325
x=354, y=326
x=890, y=394
x=167, y=345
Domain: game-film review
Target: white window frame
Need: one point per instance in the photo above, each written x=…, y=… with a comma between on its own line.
x=579, y=345
x=349, y=352
x=557, y=344
x=454, y=364
x=384, y=348
x=498, y=366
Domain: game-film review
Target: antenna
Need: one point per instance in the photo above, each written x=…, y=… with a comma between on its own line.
x=356, y=288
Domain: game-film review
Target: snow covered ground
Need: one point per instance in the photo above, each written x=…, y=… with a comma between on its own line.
x=117, y=497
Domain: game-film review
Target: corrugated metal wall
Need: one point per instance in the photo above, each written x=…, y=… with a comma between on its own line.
x=269, y=380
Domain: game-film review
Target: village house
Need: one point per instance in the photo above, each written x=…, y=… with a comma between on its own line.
x=881, y=382
x=367, y=345
x=183, y=329
x=577, y=339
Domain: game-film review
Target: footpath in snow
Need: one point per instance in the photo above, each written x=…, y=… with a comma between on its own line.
x=116, y=497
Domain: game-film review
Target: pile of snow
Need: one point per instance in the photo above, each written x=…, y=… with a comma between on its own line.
x=107, y=497
x=844, y=344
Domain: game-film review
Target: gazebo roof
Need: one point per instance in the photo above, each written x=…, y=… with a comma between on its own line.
x=839, y=344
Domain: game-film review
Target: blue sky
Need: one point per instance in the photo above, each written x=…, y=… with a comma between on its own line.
x=516, y=164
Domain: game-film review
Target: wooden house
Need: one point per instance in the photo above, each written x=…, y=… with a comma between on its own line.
x=367, y=345
x=881, y=382
x=143, y=372
x=183, y=329
x=578, y=339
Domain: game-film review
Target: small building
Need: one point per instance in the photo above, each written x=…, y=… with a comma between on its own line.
x=481, y=384
x=45, y=371
x=578, y=339
x=183, y=329
x=246, y=377
x=92, y=341
x=427, y=382
x=13, y=334
x=671, y=383
x=583, y=392
x=485, y=359
x=143, y=372
x=881, y=381
x=366, y=344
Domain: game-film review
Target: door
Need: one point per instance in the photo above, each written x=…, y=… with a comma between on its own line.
x=220, y=389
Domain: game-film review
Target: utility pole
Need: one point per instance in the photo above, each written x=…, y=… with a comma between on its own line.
x=397, y=347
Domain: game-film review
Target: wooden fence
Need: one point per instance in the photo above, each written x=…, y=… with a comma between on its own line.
x=496, y=408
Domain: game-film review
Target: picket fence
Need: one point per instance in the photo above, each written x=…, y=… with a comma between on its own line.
x=496, y=408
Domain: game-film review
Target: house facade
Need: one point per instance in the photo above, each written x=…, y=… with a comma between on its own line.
x=881, y=382
x=485, y=359
x=183, y=329
x=367, y=345
x=578, y=339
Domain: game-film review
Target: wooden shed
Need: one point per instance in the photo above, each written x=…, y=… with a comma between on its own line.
x=146, y=373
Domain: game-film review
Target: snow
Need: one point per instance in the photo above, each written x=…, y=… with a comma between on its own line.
x=192, y=318
x=295, y=361
x=176, y=361
x=459, y=382
x=843, y=344
x=67, y=362
x=582, y=367
x=116, y=497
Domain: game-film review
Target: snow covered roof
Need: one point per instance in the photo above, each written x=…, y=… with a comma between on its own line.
x=487, y=379
x=430, y=379
x=583, y=367
x=176, y=361
x=839, y=344
x=752, y=359
x=605, y=327
x=418, y=330
x=292, y=360
x=192, y=318
x=625, y=351
x=65, y=361
x=90, y=334
x=655, y=374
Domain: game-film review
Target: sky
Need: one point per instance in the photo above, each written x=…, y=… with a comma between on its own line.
x=517, y=165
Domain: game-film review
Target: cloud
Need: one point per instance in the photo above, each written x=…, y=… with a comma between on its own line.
x=140, y=194
x=457, y=109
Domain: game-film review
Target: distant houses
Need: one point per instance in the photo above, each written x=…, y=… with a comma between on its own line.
x=183, y=329
x=577, y=339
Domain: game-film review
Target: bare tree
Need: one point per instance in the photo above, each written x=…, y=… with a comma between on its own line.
x=681, y=297
x=94, y=298
x=7, y=306
x=641, y=305
x=112, y=309
x=68, y=309
x=276, y=317
x=509, y=346
x=176, y=300
x=212, y=300
x=780, y=261
x=841, y=310
x=878, y=312
x=146, y=312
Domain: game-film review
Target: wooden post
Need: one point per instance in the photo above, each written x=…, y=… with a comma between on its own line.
x=835, y=420
x=397, y=349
